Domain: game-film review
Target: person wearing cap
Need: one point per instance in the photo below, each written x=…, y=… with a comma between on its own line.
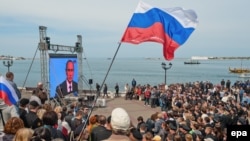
x=120, y=123
x=31, y=118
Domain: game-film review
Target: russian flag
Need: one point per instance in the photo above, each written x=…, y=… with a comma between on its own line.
x=7, y=92
x=170, y=27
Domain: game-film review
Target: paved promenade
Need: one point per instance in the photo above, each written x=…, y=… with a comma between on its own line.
x=134, y=108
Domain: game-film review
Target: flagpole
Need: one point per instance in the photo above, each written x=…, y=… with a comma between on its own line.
x=97, y=95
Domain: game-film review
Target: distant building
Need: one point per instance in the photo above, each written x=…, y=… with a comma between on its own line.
x=199, y=58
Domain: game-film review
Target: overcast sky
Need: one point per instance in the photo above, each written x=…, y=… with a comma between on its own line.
x=223, y=28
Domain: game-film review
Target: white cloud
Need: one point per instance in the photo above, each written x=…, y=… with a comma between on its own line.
x=102, y=23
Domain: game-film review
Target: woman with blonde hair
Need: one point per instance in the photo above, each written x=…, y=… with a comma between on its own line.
x=23, y=134
x=40, y=113
x=11, y=127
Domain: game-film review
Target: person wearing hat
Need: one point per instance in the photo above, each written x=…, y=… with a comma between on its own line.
x=120, y=123
x=31, y=118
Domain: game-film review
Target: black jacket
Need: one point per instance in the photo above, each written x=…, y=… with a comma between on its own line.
x=100, y=133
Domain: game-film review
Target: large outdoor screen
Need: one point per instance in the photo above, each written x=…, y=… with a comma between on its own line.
x=63, y=73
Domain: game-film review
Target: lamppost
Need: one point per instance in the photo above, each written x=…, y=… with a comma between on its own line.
x=163, y=65
x=8, y=63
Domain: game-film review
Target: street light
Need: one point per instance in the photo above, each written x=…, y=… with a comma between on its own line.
x=163, y=65
x=9, y=63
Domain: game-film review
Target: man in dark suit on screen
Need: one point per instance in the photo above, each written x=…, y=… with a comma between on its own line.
x=69, y=85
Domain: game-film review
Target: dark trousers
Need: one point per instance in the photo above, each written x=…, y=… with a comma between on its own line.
x=146, y=101
x=153, y=102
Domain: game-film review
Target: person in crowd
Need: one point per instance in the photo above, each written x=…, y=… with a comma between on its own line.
x=10, y=79
x=92, y=125
x=140, y=121
x=69, y=116
x=147, y=95
x=163, y=101
x=209, y=133
x=100, y=132
x=41, y=133
x=40, y=112
x=143, y=129
x=120, y=123
x=133, y=83
x=98, y=89
x=108, y=123
x=23, y=134
x=148, y=136
x=228, y=84
x=184, y=130
x=11, y=128
x=222, y=83
x=135, y=135
x=69, y=85
x=34, y=97
x=77, y=120
x=151, y=122
x=85, y=110
x=50, y=119
x=158, y=124
x=153, y=97
x=156, y=138
x=163, y=131
x=105, y=90
x=23, y=108
x=11, y=110
x=40, y=92
x=116, y=90
x=31, y=117
x=127, y=90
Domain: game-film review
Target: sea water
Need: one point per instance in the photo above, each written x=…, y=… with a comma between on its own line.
x=144, y=71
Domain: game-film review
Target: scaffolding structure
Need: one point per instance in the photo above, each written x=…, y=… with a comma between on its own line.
x=45, y=46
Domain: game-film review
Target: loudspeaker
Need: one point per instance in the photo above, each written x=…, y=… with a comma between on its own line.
x=90, y=81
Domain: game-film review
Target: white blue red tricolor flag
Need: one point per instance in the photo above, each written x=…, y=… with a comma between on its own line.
x=169, y=26
x=7, y=92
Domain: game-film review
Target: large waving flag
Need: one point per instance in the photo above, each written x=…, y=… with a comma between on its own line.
x=169, y=26
x=7, y=92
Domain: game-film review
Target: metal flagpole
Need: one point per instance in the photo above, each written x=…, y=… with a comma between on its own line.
x=97, y=95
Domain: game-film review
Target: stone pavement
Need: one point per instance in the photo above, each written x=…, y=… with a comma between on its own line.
x=134, y=108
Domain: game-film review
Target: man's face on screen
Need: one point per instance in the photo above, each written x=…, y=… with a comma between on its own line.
x=70, y=71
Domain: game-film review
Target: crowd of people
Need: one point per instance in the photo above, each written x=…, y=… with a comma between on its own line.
x=194, y=111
